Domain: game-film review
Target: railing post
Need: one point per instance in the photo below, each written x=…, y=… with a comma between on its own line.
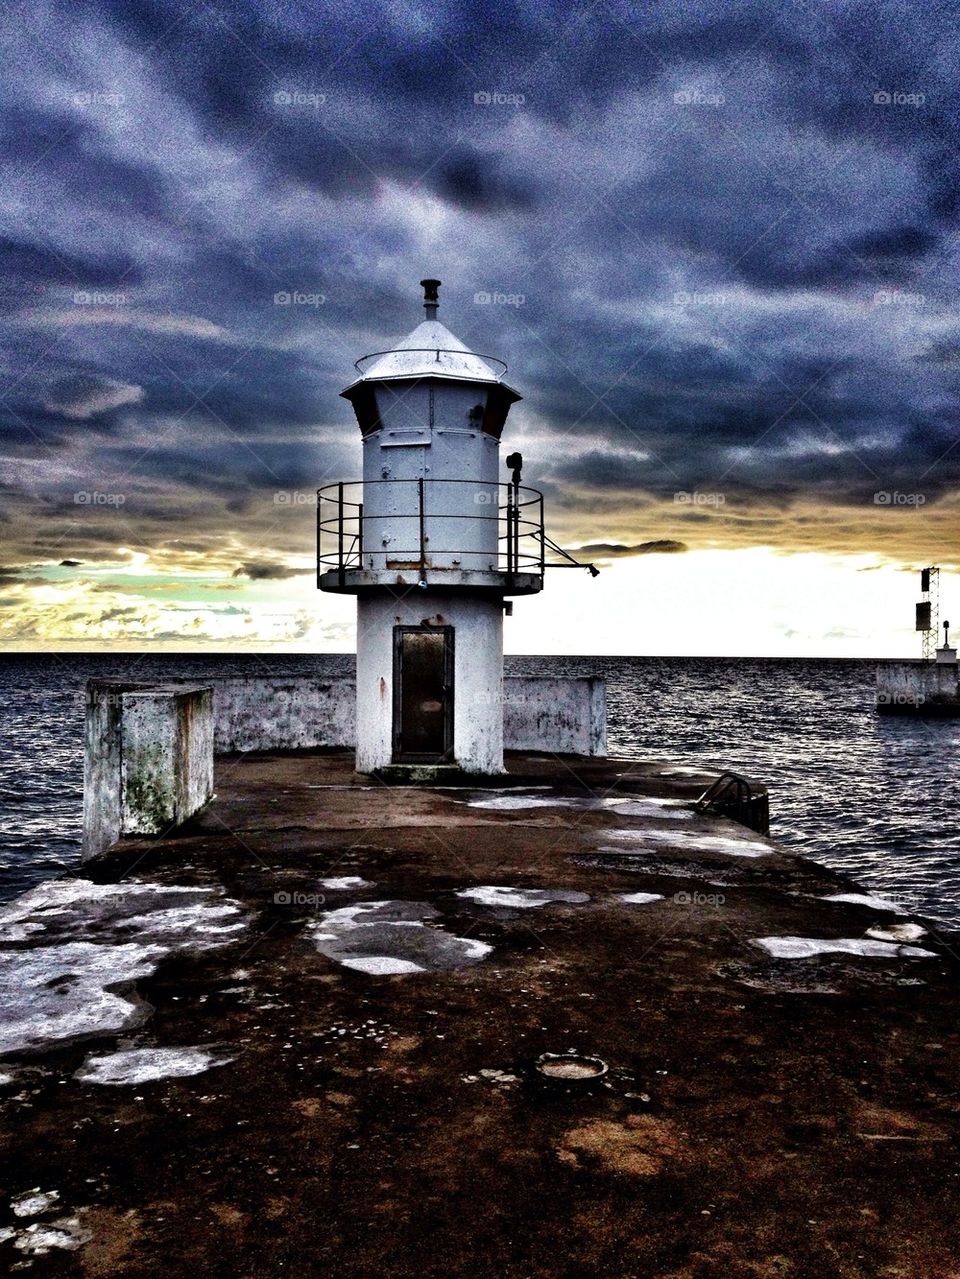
x=341, y=569
x=319, y=536
x=509, y=530
x=423, y=554
x=543, y=549
x=360, y=534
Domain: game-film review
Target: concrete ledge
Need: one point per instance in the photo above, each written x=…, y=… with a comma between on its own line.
x=166, y=768
x=561, y=715
x=564, y=716
x=916, y=687
x=283, y=713
x=149, y=748
x=147, y=761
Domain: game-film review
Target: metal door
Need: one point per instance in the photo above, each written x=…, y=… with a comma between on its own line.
x=423, y=694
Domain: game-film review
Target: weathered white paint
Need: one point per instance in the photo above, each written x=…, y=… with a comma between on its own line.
x=147, y=761
x=429, y=544
x=145, y=734
x=910, y=684
x=101, y=764
x=560, y=715
x=296, y=712
x=478, y=674
x=166, y=765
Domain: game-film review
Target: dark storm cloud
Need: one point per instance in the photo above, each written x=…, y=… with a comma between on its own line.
x=662, y=546
x=724, y=245
x=260, y=572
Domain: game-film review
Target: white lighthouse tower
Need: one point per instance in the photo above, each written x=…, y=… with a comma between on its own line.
x=431, y=543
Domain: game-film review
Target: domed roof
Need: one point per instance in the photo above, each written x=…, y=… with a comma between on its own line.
x=431, y=350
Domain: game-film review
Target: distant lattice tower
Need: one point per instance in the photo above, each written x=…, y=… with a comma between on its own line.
x=928, y=611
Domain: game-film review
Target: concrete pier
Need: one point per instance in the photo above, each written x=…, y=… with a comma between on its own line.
x=918, y=688
x=300, y=1037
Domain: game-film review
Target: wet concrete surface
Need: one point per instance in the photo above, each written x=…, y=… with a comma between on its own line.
x=268, y=1109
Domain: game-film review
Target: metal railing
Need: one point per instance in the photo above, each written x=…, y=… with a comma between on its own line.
x=732, y=796
x=492, y=527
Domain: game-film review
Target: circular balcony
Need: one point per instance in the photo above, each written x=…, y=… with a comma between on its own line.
x=445, y=533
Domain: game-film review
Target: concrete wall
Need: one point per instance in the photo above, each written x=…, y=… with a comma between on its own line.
x=166, y=766
x=283, y=713
x=914, y=683
x=148, y=749
x=148, y=759
x=101, y=764
x=562, y=716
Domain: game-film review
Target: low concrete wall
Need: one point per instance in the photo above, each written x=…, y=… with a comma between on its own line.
x=283, y=713
x=149, y=748
x=563, y=716
x=554, y=714
x=910, y=684
x=559, y=715
x=147, y=760
x=166, y=768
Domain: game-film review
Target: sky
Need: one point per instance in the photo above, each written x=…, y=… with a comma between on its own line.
x=716, y=244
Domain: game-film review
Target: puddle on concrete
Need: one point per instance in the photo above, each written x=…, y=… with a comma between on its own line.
x=656, y=808
x=521, y=898
x=514, y=803
x=35, y=1202
x=865, y=948
x=392, y=938
x=80, y=910
x=897, y=932
x=39, y=1238
x=781, y=977
x=867, y=899
x=74, y=949
x=622, y=805
x=644, y=862
x=689, y=841
x=142, y=1065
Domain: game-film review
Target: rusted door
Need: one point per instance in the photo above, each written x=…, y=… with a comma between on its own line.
x=423, y=694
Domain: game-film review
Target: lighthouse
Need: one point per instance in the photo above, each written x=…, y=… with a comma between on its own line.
x=432, y=543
